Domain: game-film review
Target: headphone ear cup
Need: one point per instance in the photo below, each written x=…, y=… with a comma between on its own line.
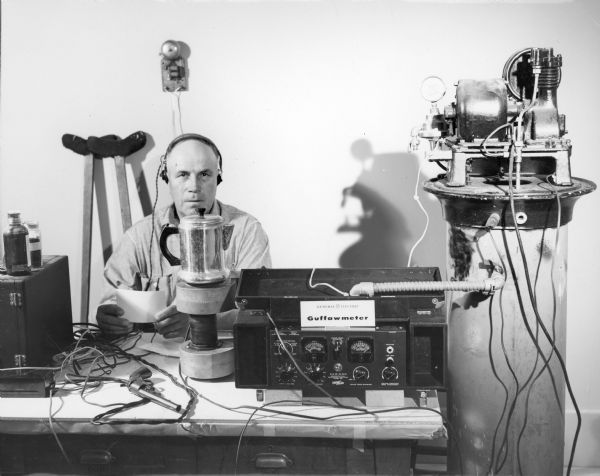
x=163, y=169
x=163, y=175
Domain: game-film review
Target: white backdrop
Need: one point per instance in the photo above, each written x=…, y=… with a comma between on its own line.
x=304, y=99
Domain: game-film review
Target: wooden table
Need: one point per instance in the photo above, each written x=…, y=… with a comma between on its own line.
x=226, y=425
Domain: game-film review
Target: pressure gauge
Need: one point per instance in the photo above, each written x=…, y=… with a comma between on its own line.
x=433, y=89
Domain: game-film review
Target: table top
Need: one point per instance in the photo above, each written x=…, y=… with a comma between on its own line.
x=221, y=409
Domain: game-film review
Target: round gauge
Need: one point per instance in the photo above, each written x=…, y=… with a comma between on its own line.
x=361, y=346
x=433, y=88
x=315, y=350
x=281, y=348
x=360, y=350
x=314, y=346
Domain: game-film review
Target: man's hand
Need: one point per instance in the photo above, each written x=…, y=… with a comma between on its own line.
x=108, y=317
x=170, y=323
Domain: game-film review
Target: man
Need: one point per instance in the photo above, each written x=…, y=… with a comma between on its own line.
x=192, y=167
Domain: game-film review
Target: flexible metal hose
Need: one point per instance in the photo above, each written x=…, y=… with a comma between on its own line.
x=488, y=286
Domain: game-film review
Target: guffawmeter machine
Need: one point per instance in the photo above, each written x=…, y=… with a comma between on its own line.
x=201, y=290
x=294, y=339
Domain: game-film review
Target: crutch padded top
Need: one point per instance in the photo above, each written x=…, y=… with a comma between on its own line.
x=113, y=146
x=75, y=143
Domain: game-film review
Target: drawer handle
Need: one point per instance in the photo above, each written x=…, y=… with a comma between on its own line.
x=272, y=461
x=96, y=457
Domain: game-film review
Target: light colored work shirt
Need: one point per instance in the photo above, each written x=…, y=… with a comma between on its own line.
x=137, y=258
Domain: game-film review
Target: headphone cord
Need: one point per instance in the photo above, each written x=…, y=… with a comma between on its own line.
x=153, y=233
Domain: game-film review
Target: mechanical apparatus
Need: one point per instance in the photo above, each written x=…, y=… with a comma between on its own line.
x=507, y=194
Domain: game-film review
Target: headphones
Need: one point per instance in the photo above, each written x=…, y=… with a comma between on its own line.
x=185, y=137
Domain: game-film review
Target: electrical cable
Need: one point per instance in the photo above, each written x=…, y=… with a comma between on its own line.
x=554, y=313
x=542, y=325
x=534, y=339
x=306, y=377
x=153, y=231
x=530, y=381
x=332, y=417
x=176, y=113
x=53, y=431
x=314, y=286
x=506, y=358
x=482, y=146
x=418, y=200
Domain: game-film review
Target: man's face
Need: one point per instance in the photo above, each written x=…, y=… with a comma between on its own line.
x=192, y=168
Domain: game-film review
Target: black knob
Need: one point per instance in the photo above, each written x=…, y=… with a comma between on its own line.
x=287, y=373
x=389, y=373
x=315, y=373
x=360, y=373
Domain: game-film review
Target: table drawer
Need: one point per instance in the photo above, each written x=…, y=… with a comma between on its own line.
x=97, y=454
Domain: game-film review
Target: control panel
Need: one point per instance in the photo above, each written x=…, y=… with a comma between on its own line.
x=338, y=360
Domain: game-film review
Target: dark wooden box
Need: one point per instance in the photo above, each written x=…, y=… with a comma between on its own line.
x=35, y=314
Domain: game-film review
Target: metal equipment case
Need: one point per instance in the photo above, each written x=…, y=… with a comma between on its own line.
x=405, y=350
x=35, y=314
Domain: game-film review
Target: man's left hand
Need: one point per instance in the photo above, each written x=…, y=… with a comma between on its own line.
x=170, y=323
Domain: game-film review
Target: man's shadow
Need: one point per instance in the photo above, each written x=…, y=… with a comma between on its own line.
x=380, y=206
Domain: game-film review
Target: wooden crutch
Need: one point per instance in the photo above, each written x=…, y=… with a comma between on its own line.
x=93, y=149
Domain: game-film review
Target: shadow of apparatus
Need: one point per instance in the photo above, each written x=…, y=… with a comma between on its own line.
x=380, y=207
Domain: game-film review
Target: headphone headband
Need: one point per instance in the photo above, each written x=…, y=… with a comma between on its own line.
x=186, y=137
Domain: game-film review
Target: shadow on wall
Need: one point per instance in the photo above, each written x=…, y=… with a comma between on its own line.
x=380, y=207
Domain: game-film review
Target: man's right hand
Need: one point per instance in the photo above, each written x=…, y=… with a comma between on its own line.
x=108, y=317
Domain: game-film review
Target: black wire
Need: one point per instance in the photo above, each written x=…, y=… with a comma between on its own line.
x=534, y=339
x=504, y=351
x=532, y=373
x=506, y=392
x=554, y=312
x=543, y=327
x=445, y=421
x=153, y=232
x=489, y=136
x=307, y=378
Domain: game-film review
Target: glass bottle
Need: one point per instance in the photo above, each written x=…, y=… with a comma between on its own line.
x=35, y=244
x=16, y=246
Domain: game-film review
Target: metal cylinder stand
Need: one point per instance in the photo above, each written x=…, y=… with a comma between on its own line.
x=204, y=356
x=505, y=384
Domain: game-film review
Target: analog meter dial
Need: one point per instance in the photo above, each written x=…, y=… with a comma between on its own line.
x=360, y=349
x=314, y=349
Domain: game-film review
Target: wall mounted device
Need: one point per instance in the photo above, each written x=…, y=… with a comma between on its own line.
x=173, y=67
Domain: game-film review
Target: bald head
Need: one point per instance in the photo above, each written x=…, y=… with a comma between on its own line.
x=192, y=168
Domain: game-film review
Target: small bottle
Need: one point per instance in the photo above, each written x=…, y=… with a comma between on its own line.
x=35, y=244
x=16, y=246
